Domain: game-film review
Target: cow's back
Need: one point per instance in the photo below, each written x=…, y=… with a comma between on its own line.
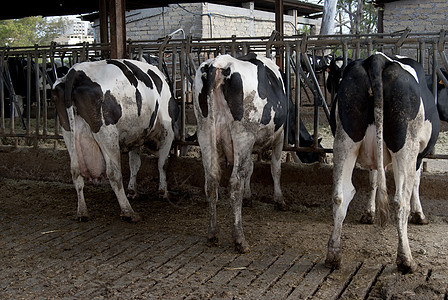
x=130, y=95
x=405, y=94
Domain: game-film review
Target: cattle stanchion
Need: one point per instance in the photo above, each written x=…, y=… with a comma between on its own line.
x=185, y=54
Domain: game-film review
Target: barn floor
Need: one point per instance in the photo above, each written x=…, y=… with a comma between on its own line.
x=46, y=253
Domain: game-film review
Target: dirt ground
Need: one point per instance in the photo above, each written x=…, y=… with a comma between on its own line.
x=36, y=186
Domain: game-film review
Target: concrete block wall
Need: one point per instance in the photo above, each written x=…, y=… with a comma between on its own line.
x=242, y=22
x=200, y=20
x=418, y=15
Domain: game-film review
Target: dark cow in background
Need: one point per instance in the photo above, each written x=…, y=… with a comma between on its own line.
x=110, y=106
x=15, y=75
x=240, y=107
x=335, y=69
x=442, y=96
x=384, y=114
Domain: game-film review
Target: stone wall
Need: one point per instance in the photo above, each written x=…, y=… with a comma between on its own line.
x=418, y=15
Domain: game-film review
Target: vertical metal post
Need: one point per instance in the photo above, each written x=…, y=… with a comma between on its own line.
x=298, y=94
x=2, y=97
x=44, y=92
x=36, y=83
x=369, y=48
x=435, y=65
x=422, y=53
x=28, y=92
x=183, y=91
x=288, y=90
x=173, y=70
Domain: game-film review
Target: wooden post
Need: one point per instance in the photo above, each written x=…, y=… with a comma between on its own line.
x=117, y=29
x=104, y=26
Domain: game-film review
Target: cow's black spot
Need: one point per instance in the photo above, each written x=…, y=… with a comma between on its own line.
x=173, y=111
x=129, y=75
x=111, y=109
x=86, y=95
x=57, y=95
x=157, y=80
x=233, y=93
x=207, y=82
x=138, y=99
x=142, y=76
x=154, y=115
x=270, y=87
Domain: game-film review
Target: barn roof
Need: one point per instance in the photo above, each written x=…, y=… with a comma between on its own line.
x=17, y=9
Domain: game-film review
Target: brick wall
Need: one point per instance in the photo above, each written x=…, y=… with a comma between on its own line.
x=418, y=15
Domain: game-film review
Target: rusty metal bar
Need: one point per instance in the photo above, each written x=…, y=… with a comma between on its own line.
x=418, y=43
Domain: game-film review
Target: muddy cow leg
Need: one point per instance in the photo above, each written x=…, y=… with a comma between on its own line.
x=212, y=174
x=417, y=215
x=276, y=172
x=134, y=165
x=164, y=151
x=345, y=155
x=107, y=139
x=242, y=165
x=247, y=197
x=404, y=174
x=78, y=181
x=368, y=216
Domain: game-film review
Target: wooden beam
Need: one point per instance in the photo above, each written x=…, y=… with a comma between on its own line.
x=117, y=29
x=104, y=26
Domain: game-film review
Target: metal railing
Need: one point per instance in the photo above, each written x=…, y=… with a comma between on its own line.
x=179, y=59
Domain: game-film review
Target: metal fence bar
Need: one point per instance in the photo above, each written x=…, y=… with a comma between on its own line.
x=186, y=54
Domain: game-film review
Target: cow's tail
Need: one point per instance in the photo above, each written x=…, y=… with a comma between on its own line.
x=375, y=70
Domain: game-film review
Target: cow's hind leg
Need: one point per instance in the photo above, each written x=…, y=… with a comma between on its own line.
x=417, y=215
x=112, y=156
x=404, y=174
x=247, y=197
x=368, y=216
x=78, y=181
x=212, y=174
x=134, y=165
x=276, y=173
x=345, y=155
x=242, y=167
x=164, y=151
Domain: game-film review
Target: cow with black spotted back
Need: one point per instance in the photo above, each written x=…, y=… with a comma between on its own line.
x=384, y=114
x=113, y=106
x=240, y=107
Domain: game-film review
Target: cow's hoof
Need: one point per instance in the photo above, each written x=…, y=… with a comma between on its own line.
x=83, y=218
x=132, y=195
x=132, y=218
x=416, y=218
x=333, y=260
x=281, y=206
x=162, y=194
x=247, y=202
x=242, y=247
x=367, y=218
x=406, y=267
x=213, y=241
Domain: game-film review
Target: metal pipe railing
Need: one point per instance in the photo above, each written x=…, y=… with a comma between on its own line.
x=183, y=56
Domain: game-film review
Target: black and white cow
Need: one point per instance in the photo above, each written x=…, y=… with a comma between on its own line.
x=384, y=114
x=442, y=96
x=240, y=107
x=109, y=106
